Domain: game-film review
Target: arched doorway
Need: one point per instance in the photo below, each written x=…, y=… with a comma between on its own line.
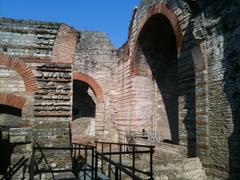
x=84, y=108
x=88, y=107
x=156, y=62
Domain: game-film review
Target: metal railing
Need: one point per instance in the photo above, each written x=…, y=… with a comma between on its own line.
x=79, y=157
x=107, y=151
x=103, y=159
x=83, y=160
x=13, y=169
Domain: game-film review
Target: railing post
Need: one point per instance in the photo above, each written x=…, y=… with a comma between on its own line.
x=92, y=162
x=133, y=163
x=151, y=162
x=102, y=160
x=110, y=157
x=32, y=162
x=85, y=163
x=116, y=173
x=96, y=165
x=120, y=159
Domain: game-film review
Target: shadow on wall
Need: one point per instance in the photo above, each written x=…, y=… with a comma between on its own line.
x=187, y=90
x=157, y=43
x=9, y=117
x=174, y=77
x=231, y=64
x=6, y=150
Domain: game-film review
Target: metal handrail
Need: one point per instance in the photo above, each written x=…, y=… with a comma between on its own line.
x=134, y=150
x=117, y=167
x=45, y=159
x=12, y=170
x=91, y=157
x=75, y=153
x=125, y=144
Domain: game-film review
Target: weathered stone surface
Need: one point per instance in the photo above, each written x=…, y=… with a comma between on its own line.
x=20, y=135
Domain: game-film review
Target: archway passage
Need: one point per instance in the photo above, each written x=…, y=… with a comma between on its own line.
x=83, y=100
x=97, y=123
x=156, y=58
x=92, y=83
x=9, y=117
x=84, y=111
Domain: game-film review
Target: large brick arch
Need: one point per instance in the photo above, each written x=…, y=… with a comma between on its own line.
x=159, y=8
x=22, y=69
x=92, y=83
x=12, y=100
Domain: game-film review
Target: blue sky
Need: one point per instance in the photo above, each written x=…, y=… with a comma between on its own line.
x=110, y=16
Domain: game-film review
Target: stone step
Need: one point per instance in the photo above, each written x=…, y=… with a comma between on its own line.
x=187, y=168
x=169, y=152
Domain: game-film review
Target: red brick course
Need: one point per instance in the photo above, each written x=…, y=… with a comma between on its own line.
x=92, y=83
x=22, y=69
x=159, y=8
x=12, y=100
x=64, y=45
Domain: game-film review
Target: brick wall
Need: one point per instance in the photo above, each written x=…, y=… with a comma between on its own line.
x=179, y=20
x=96, y=58
x=45, y=87
x=64, y=45
x=207, y=79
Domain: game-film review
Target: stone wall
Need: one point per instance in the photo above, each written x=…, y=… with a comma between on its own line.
x=141, y=90
x=221, y=30
x=95, y=58
x=208, y=89
x=25, y=38
x=41, y=88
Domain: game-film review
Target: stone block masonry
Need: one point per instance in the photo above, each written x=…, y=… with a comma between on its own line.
x=53, y=97
x=53, y=111
x=25, y=38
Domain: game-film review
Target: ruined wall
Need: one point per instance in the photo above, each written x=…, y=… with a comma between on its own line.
x=142, y=87
x=207, y=79
x=24, y=38
x=124, y=95
x=219, y=25
x=46, y=86
x=96, y=57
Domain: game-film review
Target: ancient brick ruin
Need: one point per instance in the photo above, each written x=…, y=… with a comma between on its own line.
x=175, y=80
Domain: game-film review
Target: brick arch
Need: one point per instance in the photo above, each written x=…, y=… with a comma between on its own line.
x=92, y=83
x=159, y=8
x=22, y=69
x=12, y=100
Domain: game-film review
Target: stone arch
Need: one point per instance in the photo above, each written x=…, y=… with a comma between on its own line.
x=12, y=100
x=97, y=90
x=159, y=8
x=92, y=83
x=20, y=67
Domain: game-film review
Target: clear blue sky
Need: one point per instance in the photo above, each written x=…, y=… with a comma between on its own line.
x=110, y=16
